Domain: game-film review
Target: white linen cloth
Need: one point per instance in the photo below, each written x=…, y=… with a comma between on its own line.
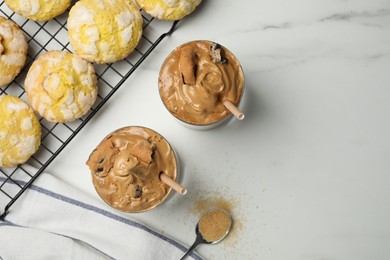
x=53, y=220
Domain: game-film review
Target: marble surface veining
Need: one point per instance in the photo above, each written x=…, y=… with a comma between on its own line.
x=308, y=169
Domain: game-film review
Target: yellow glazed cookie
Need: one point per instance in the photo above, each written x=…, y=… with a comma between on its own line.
x=38, y=10
x=168, y=9
x=104, y=31
x=61, y=86
x=13, y=50
x=20, y=131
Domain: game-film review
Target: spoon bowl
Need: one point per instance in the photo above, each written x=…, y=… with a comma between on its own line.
x=213, y=220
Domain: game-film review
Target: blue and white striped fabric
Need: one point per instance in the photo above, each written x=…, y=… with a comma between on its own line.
x=53, y=220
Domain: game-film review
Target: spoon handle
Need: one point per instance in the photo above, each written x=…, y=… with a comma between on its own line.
x=199, y=240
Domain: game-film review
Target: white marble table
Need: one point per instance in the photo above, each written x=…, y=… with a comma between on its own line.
x=308, y=170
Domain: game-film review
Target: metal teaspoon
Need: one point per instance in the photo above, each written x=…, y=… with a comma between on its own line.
x=200, y=238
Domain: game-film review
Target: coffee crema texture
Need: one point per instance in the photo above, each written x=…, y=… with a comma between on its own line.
x=196, y=78
x=126, y=168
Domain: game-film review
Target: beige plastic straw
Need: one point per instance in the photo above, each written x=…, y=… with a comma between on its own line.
x=235, y=111
x=171, y=183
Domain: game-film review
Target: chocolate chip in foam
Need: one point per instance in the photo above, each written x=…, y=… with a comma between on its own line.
x=187, y=65
x=138, y=192
x=217, y=54
x=96, y=163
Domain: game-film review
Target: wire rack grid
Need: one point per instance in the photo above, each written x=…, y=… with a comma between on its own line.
x=53, y=35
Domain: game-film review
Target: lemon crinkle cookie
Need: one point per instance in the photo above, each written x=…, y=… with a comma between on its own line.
x=104, y=31
x=13, y=50
x=20, y=131
x=168, y=9
x=38, y=10
x=61, y=86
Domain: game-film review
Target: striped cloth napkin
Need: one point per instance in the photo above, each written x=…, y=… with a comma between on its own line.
x=53, y=220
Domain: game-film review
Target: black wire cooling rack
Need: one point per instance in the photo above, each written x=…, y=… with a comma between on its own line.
x=52, y=35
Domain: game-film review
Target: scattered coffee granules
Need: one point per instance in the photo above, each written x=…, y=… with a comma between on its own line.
x=207, y=200
x=214, y=225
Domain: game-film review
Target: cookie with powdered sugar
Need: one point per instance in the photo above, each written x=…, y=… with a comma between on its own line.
x=168, y=9
x=61, y=86
x=20, y=131
x=104, y=31
x=13, y=50
x=38, y=10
